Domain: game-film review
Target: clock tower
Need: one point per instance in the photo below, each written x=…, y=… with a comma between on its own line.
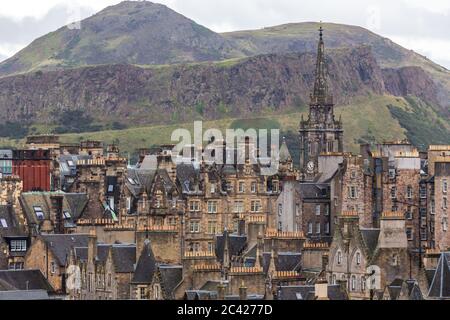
x=321, y=132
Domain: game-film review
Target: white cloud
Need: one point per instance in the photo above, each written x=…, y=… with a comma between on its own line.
x=420, y=25
x=435, y=49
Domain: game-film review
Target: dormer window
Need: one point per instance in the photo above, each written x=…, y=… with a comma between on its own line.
x=213, y=188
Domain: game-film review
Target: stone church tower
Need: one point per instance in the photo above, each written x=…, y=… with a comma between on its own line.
x=321, y=132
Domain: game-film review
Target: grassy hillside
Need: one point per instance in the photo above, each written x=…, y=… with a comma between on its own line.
x=366, y=120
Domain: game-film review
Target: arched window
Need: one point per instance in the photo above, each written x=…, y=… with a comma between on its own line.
x=358, y=258
x=353, y=283
x=334, y=279
x=339, y=257
x=363, y=283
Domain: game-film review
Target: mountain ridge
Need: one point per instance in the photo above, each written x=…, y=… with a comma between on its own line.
x=139, y=63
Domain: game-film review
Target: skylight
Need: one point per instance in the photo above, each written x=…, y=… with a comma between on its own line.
x=39, y=213
x=3, y=223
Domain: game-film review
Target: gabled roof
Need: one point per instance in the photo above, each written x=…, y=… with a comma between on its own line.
x=440, y=285
x=146, y=266
x=236, y=244
x=73, y=203
x=23, y=280
x=285, y=155
x=124, y=257
x=171, y=276
x=61, y=244
x=286, y=261
x=310, y=190
x=187, y=177
x=370, y=238
x=139, y=180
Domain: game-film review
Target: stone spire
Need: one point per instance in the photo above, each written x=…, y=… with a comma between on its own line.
x=320, y=92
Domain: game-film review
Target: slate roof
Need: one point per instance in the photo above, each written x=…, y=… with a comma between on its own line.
x=313, y=190
x=285, y=155
x=12, y=228
x=61, y=244
x=296, y=292
x=370, y=238
x=187, y=177
x=146, y=266
x=73, y=203
x=24, y=280
x=236, y=244
x=440, y=285
x=307, y=292
x=24, y=295
x=395, y=289
x=200, y=295
x=141, y=180
x=171, y=276
x=124, y=257
x=286, y=261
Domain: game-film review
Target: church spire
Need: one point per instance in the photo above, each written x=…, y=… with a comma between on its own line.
x=320, y=92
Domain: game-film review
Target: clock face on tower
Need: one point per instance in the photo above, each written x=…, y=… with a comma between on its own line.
x=310, y=166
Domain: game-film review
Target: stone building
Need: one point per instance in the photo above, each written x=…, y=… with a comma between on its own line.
x=49, y=254
x=321, y=132
x=441, y=203
x=369, y=259
x=100, y=271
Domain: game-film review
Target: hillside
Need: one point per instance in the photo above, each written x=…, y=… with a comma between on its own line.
x=138, y=65
x=130, y=32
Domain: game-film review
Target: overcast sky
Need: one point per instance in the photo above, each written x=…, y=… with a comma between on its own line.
x=421, y=25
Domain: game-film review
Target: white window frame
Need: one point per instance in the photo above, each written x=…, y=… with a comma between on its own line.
x=255, y=206
x=317, y=210
x=212, y=206
x=241, y=186
x=194, y=226
x=238, y=206
x=409, y=192
x=253, y=187
x=194, y=205
x=318, y=228
x=18, y=245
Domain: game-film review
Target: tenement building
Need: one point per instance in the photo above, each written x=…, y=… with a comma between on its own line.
x=83, y=223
